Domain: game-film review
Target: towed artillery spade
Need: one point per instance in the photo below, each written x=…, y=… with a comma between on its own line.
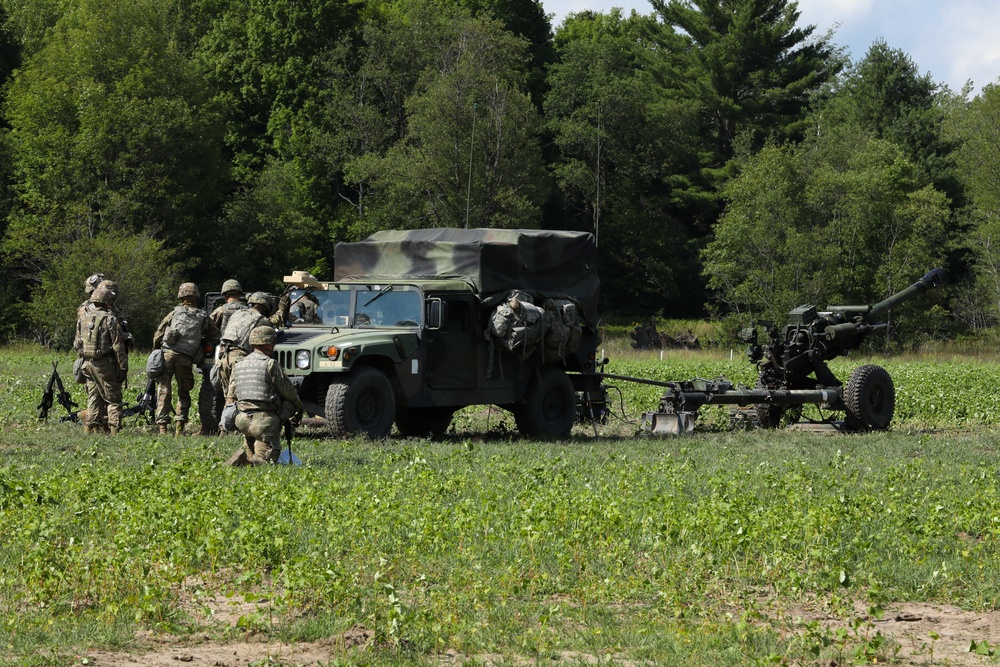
x=793, y=372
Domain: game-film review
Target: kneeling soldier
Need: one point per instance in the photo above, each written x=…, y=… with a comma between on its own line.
x=265, y=397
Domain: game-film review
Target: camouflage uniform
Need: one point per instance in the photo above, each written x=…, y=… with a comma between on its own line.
x=180, y=357
x=233, y=349
x=265, y=397
x=105, y=352
x=233, y=292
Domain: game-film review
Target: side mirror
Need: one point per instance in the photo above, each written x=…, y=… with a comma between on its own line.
x=435, y=313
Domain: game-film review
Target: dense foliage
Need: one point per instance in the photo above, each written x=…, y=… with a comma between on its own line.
x=727, y=157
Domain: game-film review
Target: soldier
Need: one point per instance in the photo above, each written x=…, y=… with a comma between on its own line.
x=233, y=293
x=236, y=336
x=183, y=334
x=265, y=397
x=89, y=285
x=105, y=353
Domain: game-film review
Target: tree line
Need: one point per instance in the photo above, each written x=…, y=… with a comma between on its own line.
x=729, y=160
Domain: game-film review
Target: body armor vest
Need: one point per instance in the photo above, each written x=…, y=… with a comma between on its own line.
x=242, y=322
x=252, y=380
x=96, y=334
x=229, y=309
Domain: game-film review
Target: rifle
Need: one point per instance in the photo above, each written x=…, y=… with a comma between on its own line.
x=64, y=398
x=291, y=459
x=55, y=384
x=145, y=403
x=46, y=404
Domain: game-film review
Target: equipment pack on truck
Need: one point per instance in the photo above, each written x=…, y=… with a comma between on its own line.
x=418, y=324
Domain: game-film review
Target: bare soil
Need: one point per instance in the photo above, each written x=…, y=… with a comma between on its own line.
x=908, y=627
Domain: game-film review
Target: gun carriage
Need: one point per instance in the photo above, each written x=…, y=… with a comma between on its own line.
x=793, y=371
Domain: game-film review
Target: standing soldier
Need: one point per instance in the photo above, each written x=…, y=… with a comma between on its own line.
x=265, y=396
x=211, y=394
x=183, y=334
x=89, y=285
x=103, y=348
x=233, y=293
x=236, y=336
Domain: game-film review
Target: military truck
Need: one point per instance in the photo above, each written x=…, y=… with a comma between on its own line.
x=418, y=324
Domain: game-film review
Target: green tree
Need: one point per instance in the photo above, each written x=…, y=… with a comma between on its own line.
x=111, y=133
x=978, y=128
x=845, y=218
x=470, y=156
x=144, y=268
x=746, y=62
x=620, y=151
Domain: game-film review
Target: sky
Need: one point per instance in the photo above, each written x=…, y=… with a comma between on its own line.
x=952, y=40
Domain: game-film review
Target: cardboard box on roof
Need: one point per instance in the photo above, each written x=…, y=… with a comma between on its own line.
x=546, y=262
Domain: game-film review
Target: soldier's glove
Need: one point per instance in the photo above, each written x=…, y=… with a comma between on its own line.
x=284, y=302
x=297, y=418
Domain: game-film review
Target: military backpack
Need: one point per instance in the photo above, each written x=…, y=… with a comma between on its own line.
x=96, y=334
x=183, y=334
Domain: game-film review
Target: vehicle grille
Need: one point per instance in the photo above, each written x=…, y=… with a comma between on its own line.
x=286, y=358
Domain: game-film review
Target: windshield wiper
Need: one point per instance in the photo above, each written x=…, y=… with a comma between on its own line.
x=387, y=288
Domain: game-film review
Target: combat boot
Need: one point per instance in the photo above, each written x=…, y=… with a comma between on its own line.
x=179, y=429
x=88, y=429
x=164, y=430
x=113, y=430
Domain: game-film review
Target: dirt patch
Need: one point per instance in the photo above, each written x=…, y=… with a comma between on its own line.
x=909, y=629
x=919, y=633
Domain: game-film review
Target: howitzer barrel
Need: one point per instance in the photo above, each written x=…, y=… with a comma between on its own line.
x=872, y=314
x=933, y=278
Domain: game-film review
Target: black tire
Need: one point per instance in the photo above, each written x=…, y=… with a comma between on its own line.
x=423, y=422
x=361, y=403
x=210, y=404
x=549, y=406
x=768, y=414
x=870, y=398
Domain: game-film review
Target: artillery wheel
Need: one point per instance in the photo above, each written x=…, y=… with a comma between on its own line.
x=870, y=398
x=423, y=422
x=549, y=406
x=362, y=403
x=768, y=414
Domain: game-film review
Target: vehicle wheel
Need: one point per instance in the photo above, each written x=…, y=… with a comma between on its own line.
x=768, y=414
x=362, y=403
x=423, y=422
x=870, y=398
x=210, y=404
x=549, y=407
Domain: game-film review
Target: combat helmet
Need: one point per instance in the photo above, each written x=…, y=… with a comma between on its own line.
x=259, y=298
x=102, y=295
x=111, y=285
x=231, y=285
x=91, y=283
x=188, y=291
x=263, y=335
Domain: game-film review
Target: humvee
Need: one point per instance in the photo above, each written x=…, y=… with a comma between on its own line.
x=418, y=324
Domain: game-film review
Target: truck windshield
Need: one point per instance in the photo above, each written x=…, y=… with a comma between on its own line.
x=320, y=307
x=376, y=306
x=398, y=306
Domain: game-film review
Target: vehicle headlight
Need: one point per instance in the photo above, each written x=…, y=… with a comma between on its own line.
x=302, y=358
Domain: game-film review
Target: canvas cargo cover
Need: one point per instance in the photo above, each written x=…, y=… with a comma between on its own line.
x=548, y=262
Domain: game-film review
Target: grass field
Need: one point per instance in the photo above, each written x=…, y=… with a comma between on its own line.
x=722, y=548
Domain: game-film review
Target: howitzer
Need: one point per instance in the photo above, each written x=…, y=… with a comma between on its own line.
x=792, y=369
